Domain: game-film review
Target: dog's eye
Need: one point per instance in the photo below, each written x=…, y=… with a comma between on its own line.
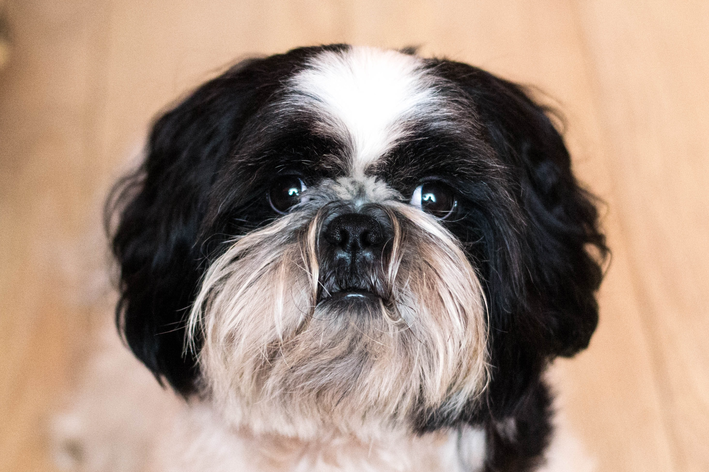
x=285, y=192
x=435, y=198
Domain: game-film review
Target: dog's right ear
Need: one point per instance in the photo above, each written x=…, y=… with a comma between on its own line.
x=155, y=214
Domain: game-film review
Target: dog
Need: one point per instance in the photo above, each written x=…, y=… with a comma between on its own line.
x=348, y=258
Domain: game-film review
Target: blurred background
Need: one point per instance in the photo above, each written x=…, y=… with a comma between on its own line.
x=80, y=81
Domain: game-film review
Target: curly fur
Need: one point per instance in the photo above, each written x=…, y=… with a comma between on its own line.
x=471, y=309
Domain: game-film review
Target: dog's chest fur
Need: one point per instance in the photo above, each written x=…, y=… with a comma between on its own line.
x=211, y=447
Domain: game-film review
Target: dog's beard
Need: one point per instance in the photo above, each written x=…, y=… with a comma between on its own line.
x=279, y=357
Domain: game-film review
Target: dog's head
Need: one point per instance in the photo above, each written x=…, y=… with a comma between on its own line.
x=346, y=238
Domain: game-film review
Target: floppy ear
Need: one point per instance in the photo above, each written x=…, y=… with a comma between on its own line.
x=157, y=215
x=550, y=309
x=158, y=211
x=565, y=247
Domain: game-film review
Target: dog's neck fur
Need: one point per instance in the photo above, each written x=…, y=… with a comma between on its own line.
x=214, y=447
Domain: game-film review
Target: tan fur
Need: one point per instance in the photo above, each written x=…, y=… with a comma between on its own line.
x=121, y=420
x=277, y=363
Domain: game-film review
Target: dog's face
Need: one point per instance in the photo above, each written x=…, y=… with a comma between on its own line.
x=352, y=239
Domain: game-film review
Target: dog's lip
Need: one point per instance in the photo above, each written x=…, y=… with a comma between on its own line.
x=353, y=293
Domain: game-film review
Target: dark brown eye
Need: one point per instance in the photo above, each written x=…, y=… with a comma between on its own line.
x=435, y=198
x=285, y=192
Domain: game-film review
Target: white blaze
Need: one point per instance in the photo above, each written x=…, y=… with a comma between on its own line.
x=364, y=95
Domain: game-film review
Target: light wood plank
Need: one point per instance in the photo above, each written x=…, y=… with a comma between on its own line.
x=46, y=202
x=652, y=69
x=87, y=77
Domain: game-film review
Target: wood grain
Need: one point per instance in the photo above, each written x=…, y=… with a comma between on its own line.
x=86, y=77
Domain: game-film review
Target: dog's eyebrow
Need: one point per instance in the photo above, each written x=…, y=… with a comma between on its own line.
x=309, y=152
x=296, y=144
x=423, y=154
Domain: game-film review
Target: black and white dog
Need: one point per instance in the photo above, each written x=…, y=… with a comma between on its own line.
x=348, y=258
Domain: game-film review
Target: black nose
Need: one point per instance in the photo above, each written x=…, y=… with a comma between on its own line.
x=354, y=235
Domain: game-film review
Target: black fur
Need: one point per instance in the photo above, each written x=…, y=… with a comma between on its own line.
x=541, y=261
x=164, y=231
x=529, y=228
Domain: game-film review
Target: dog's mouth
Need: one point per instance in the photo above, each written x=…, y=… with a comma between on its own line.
x=353, y=294
x=350, y=297
x=352, y=288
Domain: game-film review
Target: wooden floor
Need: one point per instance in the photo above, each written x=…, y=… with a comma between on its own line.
x=632, y=77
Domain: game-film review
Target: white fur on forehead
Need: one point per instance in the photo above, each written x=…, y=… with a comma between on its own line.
x=365, y=94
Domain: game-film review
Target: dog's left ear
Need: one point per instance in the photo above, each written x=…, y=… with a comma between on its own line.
x=565, y=250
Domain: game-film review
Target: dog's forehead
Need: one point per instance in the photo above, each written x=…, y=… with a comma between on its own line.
x=366, y=97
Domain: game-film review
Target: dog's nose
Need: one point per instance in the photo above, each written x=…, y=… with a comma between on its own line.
x=354, y=235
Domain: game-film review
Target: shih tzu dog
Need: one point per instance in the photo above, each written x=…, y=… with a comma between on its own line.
x=347, y=258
